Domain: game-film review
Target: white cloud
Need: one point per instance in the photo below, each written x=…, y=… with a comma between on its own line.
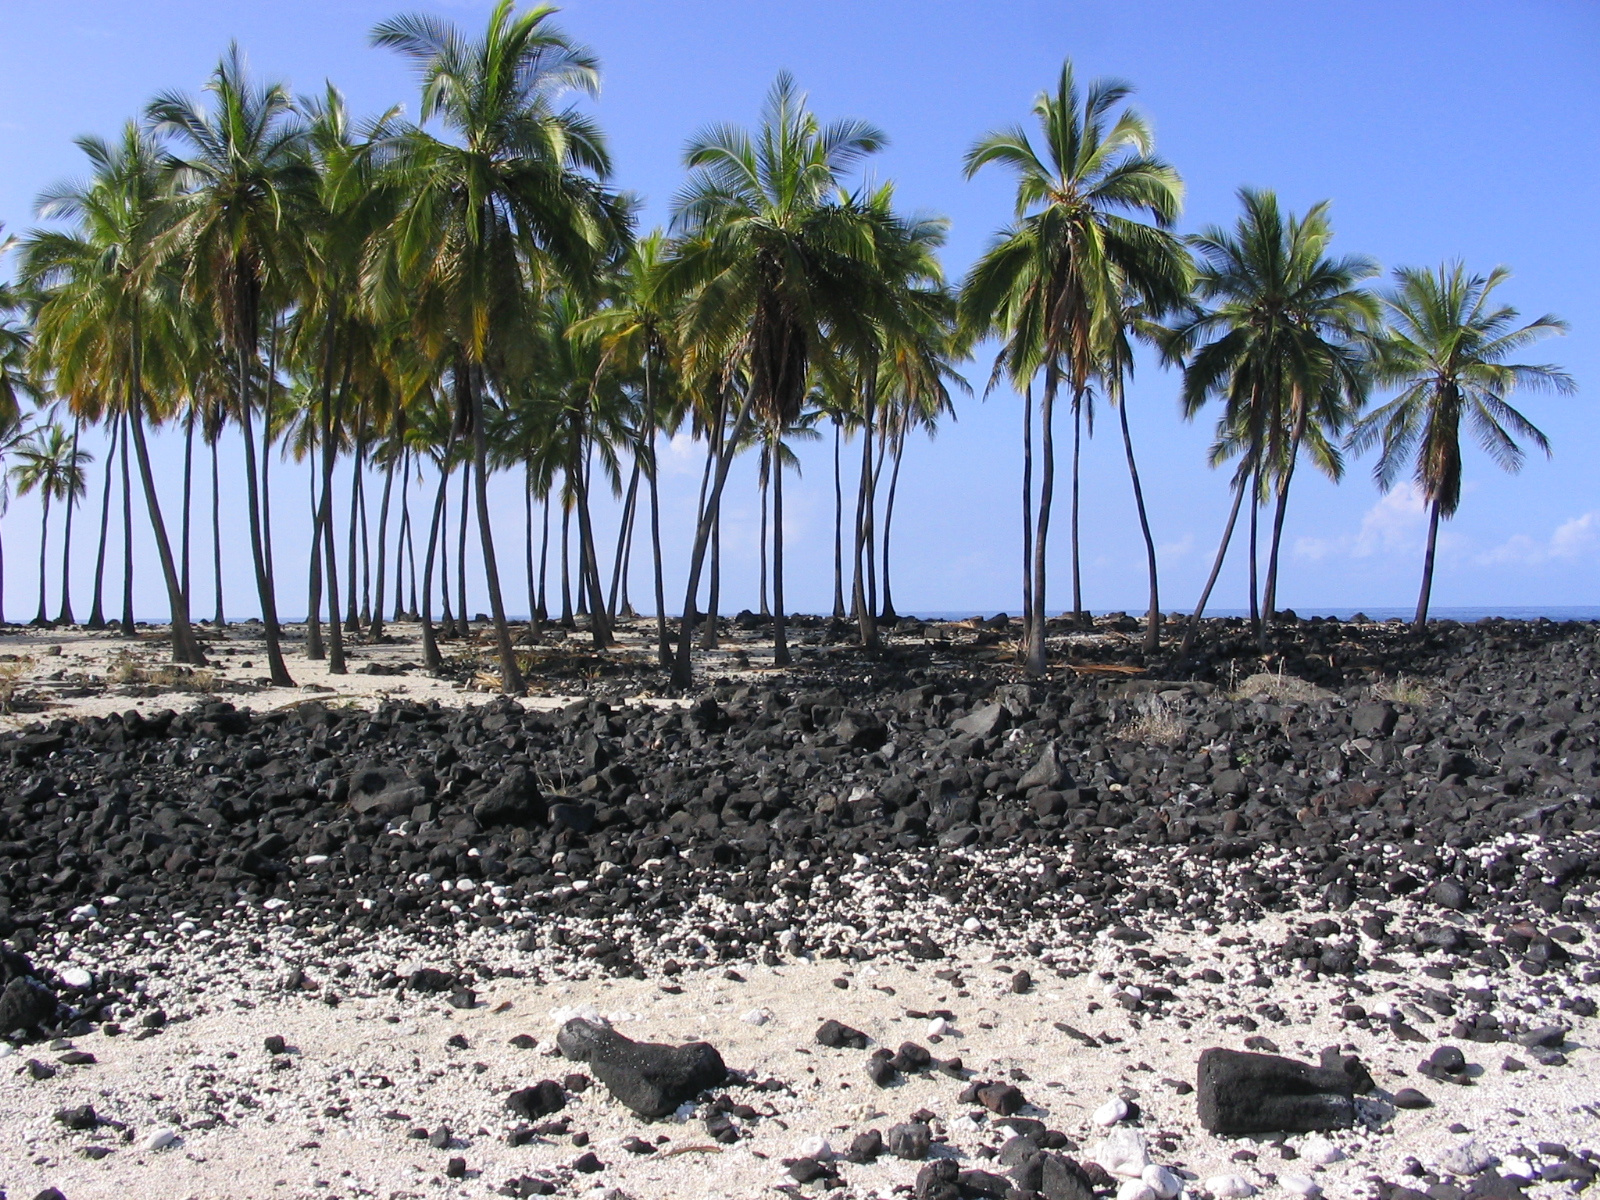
x=1396, y=524
x=1573, y=539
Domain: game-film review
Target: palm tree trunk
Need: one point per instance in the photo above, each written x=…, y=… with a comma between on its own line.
x=709, y=639
x=431, y=658
x=1078, y=615
x=447, y=620
x=258, y=520
x=1152, y=624
x=65, y=617
x=690, y=615
x=375, y=628
x=216, y=527
x=315, y=650
x=127, y=537
x=352, y=614
x=683, y=661
x=870, y=543
x=510, y=673
x=463, y=625
x=888, y=520
x=567, y=621
x=780, y=634
x=527, y=545
x=1038, y=657
x=365, y=617
x=663, y=651
x=1255, y=512
x=185, y=649
x=1270, y=595
x=1027, y=516
x=1420, y=621
x=838, y=529
x=330, y=544
x=866, y=616
x=543, y=608
x=97, y=614
x=188, y=499
x=766, y=610
x=625, y=604
x=629, y=500
x=589, y=563
x=403, y=539
x=1193, y=626
x=44, y=549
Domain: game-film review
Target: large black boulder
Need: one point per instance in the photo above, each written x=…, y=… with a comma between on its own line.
x=385, y=792
x=25, y=1004
x=515, y=800
x=1264, y=1093
x=650, y=1078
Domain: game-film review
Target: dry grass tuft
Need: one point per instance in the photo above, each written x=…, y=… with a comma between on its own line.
x=169, y=677
x=1403, y=689
x=11, y=674
x=1280, y=688
x=1156, y=722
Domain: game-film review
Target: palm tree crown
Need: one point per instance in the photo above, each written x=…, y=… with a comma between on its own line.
x=1445, y=350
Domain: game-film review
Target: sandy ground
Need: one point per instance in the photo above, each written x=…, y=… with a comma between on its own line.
x=366, y=1073
x=67, y=672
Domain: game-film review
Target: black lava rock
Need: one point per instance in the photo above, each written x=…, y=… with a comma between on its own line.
x=1264, y=1093
x=649, y=1078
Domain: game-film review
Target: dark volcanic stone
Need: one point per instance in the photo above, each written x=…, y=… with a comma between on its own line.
x=649, y=1078
x=1001, y=1098
x=1411, y=1098
x=25, y=1004
x=837, y=1036
x=909, y=1140
x=79, y=1117
x=540, y=1100
x=1263, y=1093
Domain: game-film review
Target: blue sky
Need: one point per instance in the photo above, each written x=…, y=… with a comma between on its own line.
x=1437, y=130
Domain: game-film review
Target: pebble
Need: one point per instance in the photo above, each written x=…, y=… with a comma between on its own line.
x=1112, y=1111
x=1300, y=1185
x=1163, y=1183
x=159, y=1139
x=1320, y=1152
x=1230, y=1187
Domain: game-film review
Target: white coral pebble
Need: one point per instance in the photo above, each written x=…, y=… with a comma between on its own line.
x=1230, y=1187
x=160, y=1139
x=757, y=1016
x=1300, y=1185
x=1112, y=1111
x=1320, y=1152
x=938, y=1027
x=1161, y=1181
x=814, y=1147
x=1136, y=1189
x=1123, y=1153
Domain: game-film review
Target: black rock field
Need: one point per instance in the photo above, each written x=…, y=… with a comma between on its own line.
x=1344, y=891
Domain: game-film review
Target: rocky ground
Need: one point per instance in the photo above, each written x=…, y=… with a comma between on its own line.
x=323, y=946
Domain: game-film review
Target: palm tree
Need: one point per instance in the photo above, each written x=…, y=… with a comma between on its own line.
x=48, y=463
x=770, y=266
x=108, y=326
x=637, y=327
x=1445, y=350
x=516, y=192
x=1281, y=332
x=16, y=379
x=1056, y=280
x=243, y=182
